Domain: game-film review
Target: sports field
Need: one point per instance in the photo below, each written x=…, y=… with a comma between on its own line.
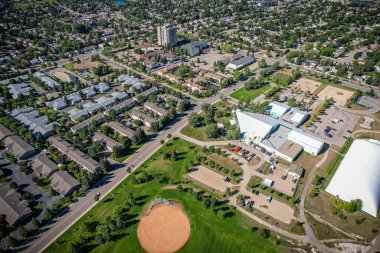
x=209, y=231
x=165, y=228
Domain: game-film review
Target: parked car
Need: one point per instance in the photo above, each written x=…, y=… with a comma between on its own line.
x=269, y=199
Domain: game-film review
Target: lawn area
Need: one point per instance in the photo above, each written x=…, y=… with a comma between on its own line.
x=249, y=95
x=131, y=149
x=198, y=133
x=209, y=232
x=69, y=66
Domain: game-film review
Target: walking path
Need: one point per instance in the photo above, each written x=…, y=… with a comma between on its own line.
x=308, y=229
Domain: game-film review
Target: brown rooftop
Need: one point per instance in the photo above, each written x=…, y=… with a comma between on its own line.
x=4, y=132
x=290, y=148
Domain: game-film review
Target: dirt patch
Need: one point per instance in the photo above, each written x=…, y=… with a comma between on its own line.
x=164, y=228
x=210, y=178
x=340, y=96
x=307, y=85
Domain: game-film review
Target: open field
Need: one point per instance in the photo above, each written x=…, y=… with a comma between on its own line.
x=229, y=234
x=249, y=95
x=306, y=85
x=340, y=96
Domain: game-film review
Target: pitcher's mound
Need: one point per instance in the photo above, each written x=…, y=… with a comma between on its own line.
x=163, y=229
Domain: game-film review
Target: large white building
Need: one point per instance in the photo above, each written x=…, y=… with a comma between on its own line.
x=276, y=136
x=167, y=35
x=358, y=176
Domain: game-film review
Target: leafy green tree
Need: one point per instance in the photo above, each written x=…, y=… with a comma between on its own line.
x=195, y=120
x=212, y=131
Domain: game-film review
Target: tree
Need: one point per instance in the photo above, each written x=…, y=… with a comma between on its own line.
x=139, y=137
x=195, y=120
x=103, y=233
x=90, y=227
x=292, y=102
x=23, y=232
x=262, y=63
x=12, y=242
x=263, y=233
x=212, y=131
x=105, y=165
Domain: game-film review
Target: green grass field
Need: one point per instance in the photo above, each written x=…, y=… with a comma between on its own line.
x=249, y=95
x=209, y=232
x=69, y=66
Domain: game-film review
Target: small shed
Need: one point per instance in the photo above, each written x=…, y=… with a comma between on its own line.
x=267, y=182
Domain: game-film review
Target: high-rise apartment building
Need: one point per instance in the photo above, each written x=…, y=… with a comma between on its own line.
x=167, y=35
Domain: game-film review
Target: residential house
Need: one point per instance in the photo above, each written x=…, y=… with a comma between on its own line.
x=43, y=166
x=88, y=92
x=123, y=106
x=57, y=104
x=18, y=147
x=102, y=87
x=74, y=98
x=13, y=206
x=105, y=101
x=156, y=109
x=18, y=90
x=64, y=183
x=91, y=107
x=137, y=115
x=76, y=114
x=119, y=95
x=122, y=130
x=85, y=161
x=98, y=118
x=109, y=142
x=4, y=132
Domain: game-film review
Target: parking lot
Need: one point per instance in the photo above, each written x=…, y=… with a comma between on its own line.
x=339, y=123
x=26, y=185
x=286, y=186
x=275, y=208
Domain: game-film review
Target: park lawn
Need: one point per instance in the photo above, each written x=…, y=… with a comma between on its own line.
x=223, y=234
x=198, y=133
x=249, y=95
